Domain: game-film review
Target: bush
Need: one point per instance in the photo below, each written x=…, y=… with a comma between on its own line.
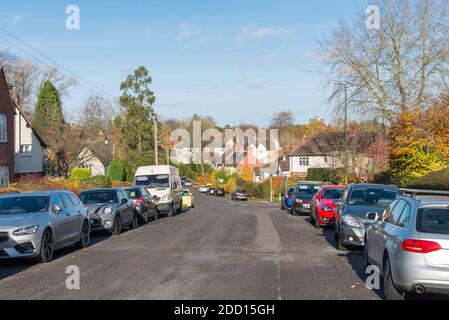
x=438, y=180
x=262, y=190
x=99, y=182
x=80, y=174
x=382, y=177
x=250, y=188
x=333, y=175
x=116, y=171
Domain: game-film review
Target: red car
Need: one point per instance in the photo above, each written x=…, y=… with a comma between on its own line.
x=322, y=206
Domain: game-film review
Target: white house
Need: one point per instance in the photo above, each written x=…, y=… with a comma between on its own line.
x=28, y=146
x=88, y=160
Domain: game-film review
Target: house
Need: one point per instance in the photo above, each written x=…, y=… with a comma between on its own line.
x=21, y=147
x=326, y=150
x=88, y=160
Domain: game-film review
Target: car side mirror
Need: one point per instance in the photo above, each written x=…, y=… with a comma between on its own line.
x=56, y=209
x=373, y=216
x=124, y=201
x=337, y=203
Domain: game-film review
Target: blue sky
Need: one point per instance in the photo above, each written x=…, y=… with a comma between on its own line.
x=238, y=61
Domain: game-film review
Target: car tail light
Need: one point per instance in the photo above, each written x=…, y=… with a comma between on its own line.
x=420, y=246
x=287, y=196
x=139, y=201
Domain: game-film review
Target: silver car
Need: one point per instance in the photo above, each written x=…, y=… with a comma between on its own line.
x=410, y=245
x=34, y=224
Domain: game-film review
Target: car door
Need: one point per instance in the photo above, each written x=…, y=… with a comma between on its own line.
x=126, y=209
x=385, y=231
x=61, y=222
x=151, y=204
x=74, y=218
x=79, y=213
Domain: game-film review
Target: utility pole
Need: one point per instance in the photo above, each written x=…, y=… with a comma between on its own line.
x=346, y=133
x=155, y=140
x=271, y=188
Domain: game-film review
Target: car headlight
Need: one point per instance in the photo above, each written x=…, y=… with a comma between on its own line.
x=26, y=231
x=351, y=221
x=165, y=198
x=326, y=208
x=299, y=200
x=108, y=210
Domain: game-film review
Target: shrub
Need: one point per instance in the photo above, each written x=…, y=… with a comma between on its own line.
x=437, y=180
x=80, y=174
x=116, y=171
x=382, y=177
x=333, y=175
x=262, y=190
x=250, y=188
x=99, y=182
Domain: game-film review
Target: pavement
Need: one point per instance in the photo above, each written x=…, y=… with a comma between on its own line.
x=220, y=250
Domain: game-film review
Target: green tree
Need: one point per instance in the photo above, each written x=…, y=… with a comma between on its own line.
x=116, y=171
x=137, y=99
x=48, y=118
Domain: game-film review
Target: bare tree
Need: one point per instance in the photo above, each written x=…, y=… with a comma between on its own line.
x=59, y=80
x=392, y=69
x=282, y=119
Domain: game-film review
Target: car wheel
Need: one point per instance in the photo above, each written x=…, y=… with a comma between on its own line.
x=179, y=210
x=47, y=247
x=311, y=219
x=135, y=222
x=340, y=245
x=171, y=211
x=390, y=291
x=156, y=214
x=117, y=226
x=85, y=236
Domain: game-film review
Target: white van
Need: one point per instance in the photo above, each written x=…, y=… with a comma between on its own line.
x=163, y=182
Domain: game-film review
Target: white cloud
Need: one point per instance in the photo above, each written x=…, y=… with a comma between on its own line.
x=17, y=18
x=265, y=58
x=250, y=34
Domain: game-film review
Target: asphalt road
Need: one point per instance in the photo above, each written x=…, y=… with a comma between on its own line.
x=219, y=250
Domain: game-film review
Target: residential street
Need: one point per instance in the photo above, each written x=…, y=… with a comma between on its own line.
x=219, y=250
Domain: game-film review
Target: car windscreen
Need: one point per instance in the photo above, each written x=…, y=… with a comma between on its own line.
x=433, y=220
x=372, y=196
x=332, y=193
x=307, y=189
x=98, y=197
x=290, y=190
x=24, y=205
x=185, y=193
x=133, y=193
x=154, y=181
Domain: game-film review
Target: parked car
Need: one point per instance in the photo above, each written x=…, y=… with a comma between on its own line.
x=302, y=196
x=110, y=210
x=409, y=244
x=286, y=202
x=350, y=215
x=211, y=191
x=188, y=201
x=35, y=224
x=239, y=194
x=220, y=192
x=204, y=189
x=163, y=182
x=322, y=206
x=144, y=203
x=188, y=183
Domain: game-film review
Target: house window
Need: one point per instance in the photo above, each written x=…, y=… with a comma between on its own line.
x=4, y=177
x=325, y=159
x=25, y=150
x=304, y=161
x=3, y=131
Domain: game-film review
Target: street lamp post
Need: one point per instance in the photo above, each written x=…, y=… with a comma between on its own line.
x=156, y=156
x=345, y=129
x=106, y=153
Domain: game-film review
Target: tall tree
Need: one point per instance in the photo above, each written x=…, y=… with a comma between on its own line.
x=48, y=118
x=395, y=68
x=138, y=132
x=282, y=119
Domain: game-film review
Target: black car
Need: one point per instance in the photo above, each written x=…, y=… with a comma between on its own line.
x=145, y=204
x=220, y=192
x=302, y=196
x=351, y=213
x=239, y=194
x=211, y=192
x=109, y=210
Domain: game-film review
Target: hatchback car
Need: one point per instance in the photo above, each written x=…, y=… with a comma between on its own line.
x=144, y=203
x=220, y=192
x=35, y=224
x=239, y=194
x=211, y=191
x=204, y=189
x=409, y=244
x=350, y=214
x=322, y=206
x=110, y=210
x=286, y=202
x=302, y=196
x=188, y=201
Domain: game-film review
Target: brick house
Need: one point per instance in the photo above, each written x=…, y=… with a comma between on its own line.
x=6, y=132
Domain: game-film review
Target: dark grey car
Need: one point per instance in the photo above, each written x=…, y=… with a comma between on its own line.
x=351, y=212
x=145, y=204
x=110, y=210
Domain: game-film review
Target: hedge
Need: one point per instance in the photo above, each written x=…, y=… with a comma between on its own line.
x=80, y=174
x=438, y=180
x=333, y=175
